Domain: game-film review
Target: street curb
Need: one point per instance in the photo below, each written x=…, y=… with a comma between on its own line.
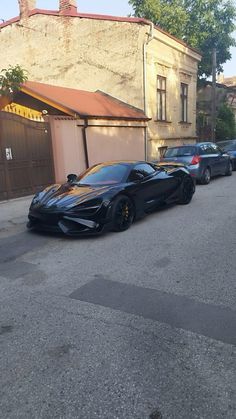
x=21, y=198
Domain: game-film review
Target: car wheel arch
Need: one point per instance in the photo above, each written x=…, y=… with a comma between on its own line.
x=203, y=180
x=124, y=193
x=122, y=221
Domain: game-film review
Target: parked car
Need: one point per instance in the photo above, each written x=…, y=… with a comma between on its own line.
x=230, y=148
x=109, y=196
x=203, y=160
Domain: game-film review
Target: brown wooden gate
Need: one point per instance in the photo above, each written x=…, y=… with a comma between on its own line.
x=26, y=160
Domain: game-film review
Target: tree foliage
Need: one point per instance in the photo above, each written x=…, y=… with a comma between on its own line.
x=203, y=24
x=11, y=80
x=225, y=123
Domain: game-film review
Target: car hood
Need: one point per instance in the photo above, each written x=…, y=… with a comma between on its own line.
x=67, y=196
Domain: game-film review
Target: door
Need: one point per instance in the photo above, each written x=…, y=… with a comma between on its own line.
x=26, y=162
x=3, y=179
x=153, y=186
x=209, y=158
x=221, y=160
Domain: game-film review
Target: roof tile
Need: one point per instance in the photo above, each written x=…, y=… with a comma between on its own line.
x=85, y=104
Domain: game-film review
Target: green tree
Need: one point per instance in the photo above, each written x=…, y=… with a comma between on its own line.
x=225, y=123
x=11, y=80
x=203, y=24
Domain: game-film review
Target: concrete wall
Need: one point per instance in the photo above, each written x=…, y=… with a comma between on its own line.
x=106, y=141
x=115, y=143
x=68, y=149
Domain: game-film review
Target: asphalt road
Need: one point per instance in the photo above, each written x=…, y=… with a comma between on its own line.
x=133, y=325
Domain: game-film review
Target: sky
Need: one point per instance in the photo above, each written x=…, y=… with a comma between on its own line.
x=9, y=9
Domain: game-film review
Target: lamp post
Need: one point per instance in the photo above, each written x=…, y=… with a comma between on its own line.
x=213, y=97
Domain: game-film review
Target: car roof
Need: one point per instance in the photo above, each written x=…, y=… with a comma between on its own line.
x=204, y=143
x=183, y=145
x=193, y=145
x=127, y=162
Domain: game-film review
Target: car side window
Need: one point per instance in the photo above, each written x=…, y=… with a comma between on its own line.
x=217, y=149
x=145, y=168
x=140, y=171
x=206, y=149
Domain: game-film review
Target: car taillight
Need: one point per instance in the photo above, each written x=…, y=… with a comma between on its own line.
x=195, y=160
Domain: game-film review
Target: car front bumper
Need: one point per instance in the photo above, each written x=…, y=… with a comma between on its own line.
x=69, y=224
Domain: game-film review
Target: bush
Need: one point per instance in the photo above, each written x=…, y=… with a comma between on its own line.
x=225, y=123
x=11, y=80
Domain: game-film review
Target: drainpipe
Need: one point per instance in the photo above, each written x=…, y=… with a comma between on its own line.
x=145, y=44
x=85, y=142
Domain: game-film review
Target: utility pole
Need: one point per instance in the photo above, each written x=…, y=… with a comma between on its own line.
x=213, y=97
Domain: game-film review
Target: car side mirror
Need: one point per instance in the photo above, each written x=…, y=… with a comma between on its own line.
x=71, y=177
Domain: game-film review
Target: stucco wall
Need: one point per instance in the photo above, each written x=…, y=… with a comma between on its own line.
x=68, y=150
x=81, y=53
x=178, y=65
x=115, y=143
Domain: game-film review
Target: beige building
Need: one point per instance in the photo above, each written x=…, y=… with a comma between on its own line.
x=127, y=58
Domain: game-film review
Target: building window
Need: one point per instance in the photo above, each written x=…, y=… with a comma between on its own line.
x=161, y=98
x=184, y=102
x=162, y=151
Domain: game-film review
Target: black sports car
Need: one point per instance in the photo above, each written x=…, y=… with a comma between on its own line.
x=109, y=196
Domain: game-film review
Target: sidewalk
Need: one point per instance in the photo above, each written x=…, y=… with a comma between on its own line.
x=14, y=212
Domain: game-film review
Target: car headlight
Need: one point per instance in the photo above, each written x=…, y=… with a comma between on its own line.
x=36, y=198
x=87, y=208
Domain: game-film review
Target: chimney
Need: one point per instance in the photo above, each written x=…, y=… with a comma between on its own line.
x=67, y=7
x=26, y=6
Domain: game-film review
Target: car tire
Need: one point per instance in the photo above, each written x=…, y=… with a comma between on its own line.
x=229, y=169
x=123, y=213
x=186, y=191
x=206, y=176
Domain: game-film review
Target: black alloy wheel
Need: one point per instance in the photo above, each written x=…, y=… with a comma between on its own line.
x=206, y=177
x=229, y=169
x=187, y=191
x=122, y=213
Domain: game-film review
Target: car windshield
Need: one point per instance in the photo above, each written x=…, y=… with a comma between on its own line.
x=180, y=151
x=105, y=174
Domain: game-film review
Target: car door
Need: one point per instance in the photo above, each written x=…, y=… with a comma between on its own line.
x=143, y=175
x=209, y=158
x=153, y=185
x=221, y=160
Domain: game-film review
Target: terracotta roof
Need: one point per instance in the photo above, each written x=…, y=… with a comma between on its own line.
x=73, y=13
x=85, y=104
